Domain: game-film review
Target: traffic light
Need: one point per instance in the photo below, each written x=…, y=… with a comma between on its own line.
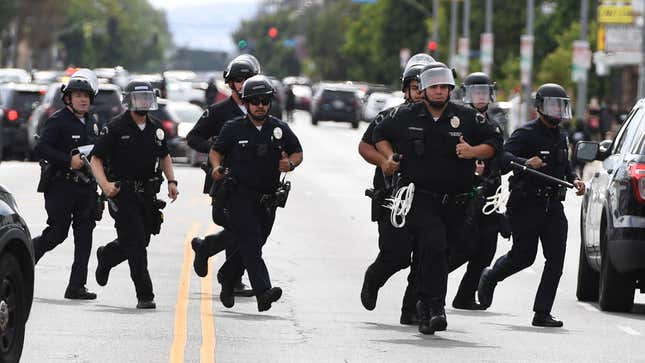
x=273, y=32
x=432, y=46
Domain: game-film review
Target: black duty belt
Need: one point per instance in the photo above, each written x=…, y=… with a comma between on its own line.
x=446, y=198
x=69, y=176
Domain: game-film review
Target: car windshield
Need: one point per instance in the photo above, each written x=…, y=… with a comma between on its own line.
x=337, y=95
x=107, y=98
x=187, y=113
x=23, y=102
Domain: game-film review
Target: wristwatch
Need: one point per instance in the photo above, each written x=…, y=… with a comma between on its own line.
x=173, y=182
x=291, y=165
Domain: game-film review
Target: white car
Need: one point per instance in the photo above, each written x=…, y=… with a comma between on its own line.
x=375, y=104
x=14, y=75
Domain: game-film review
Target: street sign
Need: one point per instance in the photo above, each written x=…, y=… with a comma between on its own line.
x=581, y=60
x=462, y=59
x=526, y=58
x=486, y=43
x=622, y=38
x=616, y=14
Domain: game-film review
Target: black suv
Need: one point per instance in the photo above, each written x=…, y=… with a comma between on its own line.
x=16, y=278
x=17, y=101
x=335, y=102
x=612, y=218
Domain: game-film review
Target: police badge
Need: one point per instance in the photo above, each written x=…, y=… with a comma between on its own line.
x=455, y=122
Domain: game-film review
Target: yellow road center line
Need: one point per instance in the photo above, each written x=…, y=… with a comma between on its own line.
x=207, y=351
x=181, y=308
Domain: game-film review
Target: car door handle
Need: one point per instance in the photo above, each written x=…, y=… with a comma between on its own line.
x=596, y=174
x=609, y=171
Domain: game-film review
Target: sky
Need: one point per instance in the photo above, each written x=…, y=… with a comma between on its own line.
x=206, y=24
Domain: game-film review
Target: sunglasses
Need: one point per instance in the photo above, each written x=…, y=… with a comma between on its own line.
x=257, y=100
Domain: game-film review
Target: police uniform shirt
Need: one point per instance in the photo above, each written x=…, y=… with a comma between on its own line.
x=253, y=155
x=550, y=144
x=378, y=181
x=62, y=133
x=211, y=122
x=429, y=147
x=132, y=153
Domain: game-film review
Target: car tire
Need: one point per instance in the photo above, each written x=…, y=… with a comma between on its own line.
x=355, y=123
x=588, y=278
x=12, y=297
x=314, y=121
x=616, y=290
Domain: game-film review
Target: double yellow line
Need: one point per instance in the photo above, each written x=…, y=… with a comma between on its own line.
x=207, y=351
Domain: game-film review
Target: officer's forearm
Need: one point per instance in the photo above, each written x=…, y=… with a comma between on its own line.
x=215, y=158
x=198, y=143
x=484, y=151
x=370, y=154
x=98, y=170
x=385, y=148
x=166, y=166
x=296, y=158
x=56, y=157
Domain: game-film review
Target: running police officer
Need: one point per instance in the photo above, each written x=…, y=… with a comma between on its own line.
x=535, y=206
x=70, y=194
x=199, y=138
x=395, y=244
x=478, y=92
x=438, y=141
x=257, y=148
x=128, y=161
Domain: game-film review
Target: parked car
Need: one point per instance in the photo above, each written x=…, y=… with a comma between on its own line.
x=375, y=103
x=116, y=75
x=18, y=101
x=303, y=96
x=612, y=218
x=186, y=114
x=336, y=102
x=14, y=75
x=16, y=277
x=107, y=105
x=46, y=77
x=170, y=123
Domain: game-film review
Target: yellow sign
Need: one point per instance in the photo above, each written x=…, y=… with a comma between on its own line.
x=601, y=38
x=615, y=14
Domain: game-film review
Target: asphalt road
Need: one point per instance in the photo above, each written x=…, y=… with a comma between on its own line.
x=318, y=251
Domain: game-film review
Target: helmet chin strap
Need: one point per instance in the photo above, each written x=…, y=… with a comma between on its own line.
x=141, y=113
x=551, y=120
x=436, y=104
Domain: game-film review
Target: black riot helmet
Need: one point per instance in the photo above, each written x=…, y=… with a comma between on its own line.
x=240, y=69
x=411, y=74
x=553, y=103
x=140, y=97
x=478, y=88
x=257, y=86
x=253, y=61
x=82, y=80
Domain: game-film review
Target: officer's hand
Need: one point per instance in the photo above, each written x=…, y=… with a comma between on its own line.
x=110, y=189
x=535, y=162
x=173, y=192
x=464, y=150
x=479, y=167
x=284, y=163
x=76, y=162
x=580, y=186
x=218, y=173
x=390, y=166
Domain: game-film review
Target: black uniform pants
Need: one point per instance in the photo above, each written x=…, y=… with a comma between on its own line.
x=68, y=204
x=530, y=224
x=132, y=239
x=250, y=223
x=395, y=249
x=485, y=244
x=222, y=240
x=434, y=227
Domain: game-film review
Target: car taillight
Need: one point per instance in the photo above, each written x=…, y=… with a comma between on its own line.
x=637, y=173
x=12, y=115
x=169, y=126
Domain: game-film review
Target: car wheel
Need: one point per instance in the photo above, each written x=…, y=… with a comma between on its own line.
x=314, y=121
x=616, y=290
x=12, y=309
x=355, y=123
x=587, y=289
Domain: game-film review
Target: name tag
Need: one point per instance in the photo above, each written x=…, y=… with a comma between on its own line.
x=243, y=142
x=76, y=137
x=455, y=134
x=125, y=137
x=415, y=128
x=545, y=152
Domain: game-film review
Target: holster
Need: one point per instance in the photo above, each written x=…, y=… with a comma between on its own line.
x=221, y=192
x=378, y=198
x=153, y=216
x=99, y=208
x=46, y=176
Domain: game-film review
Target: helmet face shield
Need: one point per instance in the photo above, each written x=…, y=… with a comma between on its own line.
x=556, y=107
x=436, y=76
x=479, y=94
x=142, y=101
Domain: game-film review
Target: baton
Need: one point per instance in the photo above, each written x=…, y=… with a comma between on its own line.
x=540, y=174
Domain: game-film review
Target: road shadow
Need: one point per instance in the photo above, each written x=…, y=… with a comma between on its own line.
x=62, y=302
x=227, y=314
x=379, y=326
x=122, y=310
x=476, y=313
x=532, y=329
x=436, y=341
x=637, y=312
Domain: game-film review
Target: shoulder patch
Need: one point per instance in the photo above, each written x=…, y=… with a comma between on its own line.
x=206, y=113
x=104, y=130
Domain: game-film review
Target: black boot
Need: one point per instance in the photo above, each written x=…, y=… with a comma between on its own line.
x=466, y=304
x=486, y=289
x=240, y=289
x=409, y=318
x=424, y=318
x=267, y=297
x=200, y=263
x=146, y=304
x=546, y=320
x=369, y=292
x=102, y=269
x=438, y=320
x=226, y=294
x=79, y=293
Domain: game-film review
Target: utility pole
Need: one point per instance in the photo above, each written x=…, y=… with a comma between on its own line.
x=581, y=98
x=487, y=41
x=453, y=30
x=435, y=24
x=641, y=78
x=464, y=42
x=529, y=65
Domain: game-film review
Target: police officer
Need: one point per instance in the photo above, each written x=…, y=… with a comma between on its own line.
x=395, y=244
x=438, y=141
x=535, y=206
x=71, y=196
x=134, y=148
x=478, y=92
x=199, y=138
x=257, y=148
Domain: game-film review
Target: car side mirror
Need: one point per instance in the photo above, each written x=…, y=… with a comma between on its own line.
x=586, y=150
